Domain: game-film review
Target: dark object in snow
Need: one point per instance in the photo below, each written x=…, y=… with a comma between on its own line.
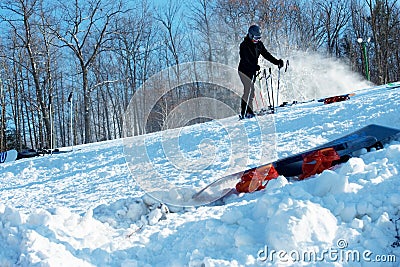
x=396, y=243
x=334, y=99
x=8, y=156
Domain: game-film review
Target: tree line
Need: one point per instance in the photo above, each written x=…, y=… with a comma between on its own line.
x=78, y=63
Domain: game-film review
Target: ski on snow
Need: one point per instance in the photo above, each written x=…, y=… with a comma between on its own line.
x=366, y=137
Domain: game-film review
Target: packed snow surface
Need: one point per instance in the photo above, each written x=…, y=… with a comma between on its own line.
x=85, y=208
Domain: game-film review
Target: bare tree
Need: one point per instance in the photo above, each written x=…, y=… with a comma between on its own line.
x=133, y=47
x=384, y=20
x=86, y=30
x=3, y=119
x=24, y=22
x=201, y=17
x=335, y=17
x=231, y=27
x=171, y=20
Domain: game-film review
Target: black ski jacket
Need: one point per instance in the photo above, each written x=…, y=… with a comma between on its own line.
x=249, y=53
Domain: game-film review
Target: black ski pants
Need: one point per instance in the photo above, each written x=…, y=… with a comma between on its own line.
x=248, y=93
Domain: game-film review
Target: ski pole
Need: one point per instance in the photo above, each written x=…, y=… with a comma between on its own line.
x=247, y=104
x=255, y=98
x=272, y=93
x=266, y=85
x=277, y=90
x=287, y=65
x=261, y=95
x=279, y=78
x=262, y=104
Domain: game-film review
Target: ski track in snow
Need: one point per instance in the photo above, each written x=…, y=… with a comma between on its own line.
x=84, y=208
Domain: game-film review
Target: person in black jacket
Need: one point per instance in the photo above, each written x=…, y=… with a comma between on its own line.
x=250, y=49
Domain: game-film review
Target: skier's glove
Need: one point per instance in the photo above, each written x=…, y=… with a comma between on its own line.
x=258, y=67
x=280, y=63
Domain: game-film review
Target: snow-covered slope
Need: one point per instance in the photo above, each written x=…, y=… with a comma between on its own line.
x=84, y=208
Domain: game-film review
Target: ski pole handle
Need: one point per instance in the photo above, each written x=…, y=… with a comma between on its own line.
x=265, y=75
x=287, y=65
x=258, y=74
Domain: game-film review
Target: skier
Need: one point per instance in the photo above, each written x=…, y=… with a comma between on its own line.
x=250, y=50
